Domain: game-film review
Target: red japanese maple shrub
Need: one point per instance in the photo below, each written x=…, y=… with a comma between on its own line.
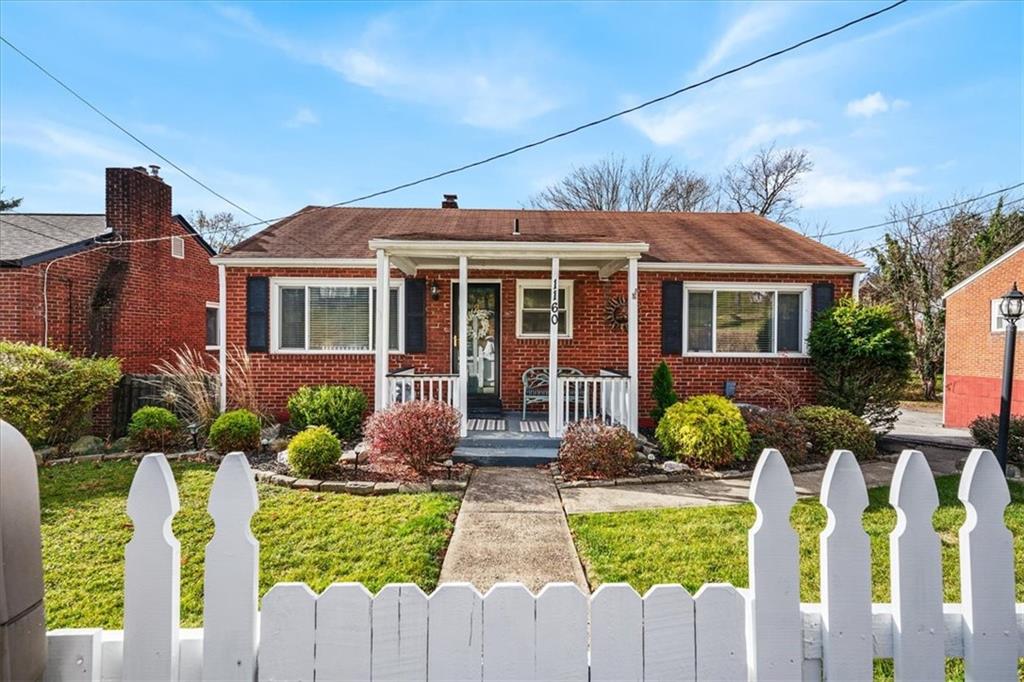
x=593, y=449
x=418, y=433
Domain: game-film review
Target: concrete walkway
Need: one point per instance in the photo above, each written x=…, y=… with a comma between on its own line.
x=512, y=527
x=721, y=491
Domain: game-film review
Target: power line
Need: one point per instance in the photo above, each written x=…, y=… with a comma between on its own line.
x=604, y=119
x=127, y=132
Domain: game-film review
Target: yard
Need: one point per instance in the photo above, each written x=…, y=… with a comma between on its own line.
x=308, y=537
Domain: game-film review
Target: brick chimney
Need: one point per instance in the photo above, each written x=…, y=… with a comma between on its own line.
x=138, y=203
x=450, y=201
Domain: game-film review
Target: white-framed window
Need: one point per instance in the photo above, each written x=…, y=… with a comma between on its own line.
x=533, y=308
x=321, y=315
x=177, y=247
x=998, y=321
x=212, y=326
x=746, y=319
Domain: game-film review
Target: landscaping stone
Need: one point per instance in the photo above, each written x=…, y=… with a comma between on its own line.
x=89, y=458
x=333, y=486
x=86, y=445
x=414, y=487
x=601, y=484
x=1013, y=471
x=654, y=478
x=442, y=485
x=388, y=488
x=306, y=484
x=575, y=484
x=281, y=479
x=282, y=457
x=354, y=456
x=264, y=476
x=673, y=467
x=361, y=487
x=122, y=444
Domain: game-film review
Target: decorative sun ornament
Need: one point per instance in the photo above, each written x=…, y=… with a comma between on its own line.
x=616, y=312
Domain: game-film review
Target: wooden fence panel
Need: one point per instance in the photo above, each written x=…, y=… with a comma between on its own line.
x=152, y=575
x=616, y=634
x=287, y=633
x=845, y=572
x=455, y=640
x=400, y=633
x=562, y=642
x=509, y=633
x=668, y=634
x=720, y=633
x=986, y=571
x=343, y=622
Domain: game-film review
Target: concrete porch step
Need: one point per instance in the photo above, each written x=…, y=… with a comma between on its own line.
x=506, y=440
x=504, y=456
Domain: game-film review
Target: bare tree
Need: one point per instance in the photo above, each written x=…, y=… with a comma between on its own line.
x=220, y=230
x=611, y=185
x=765, y=184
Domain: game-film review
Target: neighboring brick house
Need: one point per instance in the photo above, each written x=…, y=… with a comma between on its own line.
x=79, y=282
x=723, y=298
x=976, y=342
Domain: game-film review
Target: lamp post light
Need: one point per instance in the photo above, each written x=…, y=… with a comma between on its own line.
x=1010, y=308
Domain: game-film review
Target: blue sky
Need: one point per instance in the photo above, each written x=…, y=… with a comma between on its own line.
x=282, y=105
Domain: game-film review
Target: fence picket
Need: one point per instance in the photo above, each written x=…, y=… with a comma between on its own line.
x=720, y=641
x=668, y=634
x=455, y=639
x=152, y=574
x=343, y=613
x=616, y=633
x=399, y=633
x=918, y=631
x=562, y=611
x=73, y=655
x=190, y=656
x=287, y=633
x=232, y=575
x=845, y=572
x=509, y=632
x=775, y=650
x=986, y=571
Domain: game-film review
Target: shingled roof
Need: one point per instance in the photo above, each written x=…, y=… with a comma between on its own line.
x=25, y=236
x=316, y=232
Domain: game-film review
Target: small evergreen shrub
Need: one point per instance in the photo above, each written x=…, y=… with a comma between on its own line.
x=339, y=408
x=662, y=391
x=417, y=434
x=312, y=453
x=238, y=430
x=986, y=434
x=705, y=431
x=593, y=449
x=48, y=395
x=777, y=429
x=153, y=428
x=832, y=428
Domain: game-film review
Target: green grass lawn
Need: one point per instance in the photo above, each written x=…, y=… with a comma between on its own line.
x=709, y=544
x=307, y=537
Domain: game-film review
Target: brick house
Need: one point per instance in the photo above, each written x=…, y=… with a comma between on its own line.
x=975, y=343
x=724, y=298
x=79, y=281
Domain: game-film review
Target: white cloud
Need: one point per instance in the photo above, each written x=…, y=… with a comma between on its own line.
x=494, y=91
x=875, y=103
x=766, y=133
x=303, y=116
x=52, y=139
x=824, y=189
x=744, y=30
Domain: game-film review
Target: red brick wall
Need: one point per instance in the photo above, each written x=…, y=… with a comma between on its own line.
x=974, y=353
x=595, y=344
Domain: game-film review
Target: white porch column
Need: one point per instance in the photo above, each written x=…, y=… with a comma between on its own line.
x=222, y=337
x=381, y=331
x=553, y=354
x=463, y=343
x=633, y=294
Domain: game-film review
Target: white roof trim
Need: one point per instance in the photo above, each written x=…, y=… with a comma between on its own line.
x=810, y=268
x=504, y=249
x=1006, y=256
x=257, y=262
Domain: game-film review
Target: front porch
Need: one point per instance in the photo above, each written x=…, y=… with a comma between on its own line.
x=482, y=335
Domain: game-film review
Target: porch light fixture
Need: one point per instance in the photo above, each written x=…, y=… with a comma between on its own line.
x=1011, y=308
x=435, y=291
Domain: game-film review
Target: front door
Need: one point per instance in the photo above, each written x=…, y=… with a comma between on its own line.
x=483, y=334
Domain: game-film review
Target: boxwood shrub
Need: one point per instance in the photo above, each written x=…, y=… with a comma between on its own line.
x=985, y=431
x=339, y=408
x=153, y=428
x=832, y=428
x=705, y=431
x=312, y=453
x=235, y=430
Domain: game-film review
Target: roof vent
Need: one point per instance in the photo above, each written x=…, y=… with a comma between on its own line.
x=450, y=201
x=154, y=171
x=515, y=226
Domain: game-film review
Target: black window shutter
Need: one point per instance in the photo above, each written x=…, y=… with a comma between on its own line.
x=823, y=296
x=257, y=314
x=672, y=318
x=415, y=316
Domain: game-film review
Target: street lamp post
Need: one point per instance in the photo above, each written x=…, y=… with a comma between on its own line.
x=1010, y=308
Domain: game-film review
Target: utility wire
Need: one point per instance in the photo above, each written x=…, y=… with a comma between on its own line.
x=127, y=132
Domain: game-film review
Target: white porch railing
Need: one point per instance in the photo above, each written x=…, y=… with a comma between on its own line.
x=719, y=633
x=406, y=386
x=604, y=397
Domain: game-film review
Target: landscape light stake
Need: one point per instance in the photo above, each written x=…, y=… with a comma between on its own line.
x=1010, y=308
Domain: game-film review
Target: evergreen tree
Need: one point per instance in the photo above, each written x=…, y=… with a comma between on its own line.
x=662, y=391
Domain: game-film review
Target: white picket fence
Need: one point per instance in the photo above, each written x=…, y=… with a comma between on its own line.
x=720, y=633
x=408, y=386
x=604, y=397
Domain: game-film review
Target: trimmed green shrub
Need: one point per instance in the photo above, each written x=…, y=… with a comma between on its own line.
x=339, y=408
x=312, y=453
x=152, y=428
x=777, y=429
x=48, y=395
x=862, y=361
x=593, y=449
x=705, y=431
x=986, y=434
x=832, y=428
x=235, y=430
x=662, y=391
